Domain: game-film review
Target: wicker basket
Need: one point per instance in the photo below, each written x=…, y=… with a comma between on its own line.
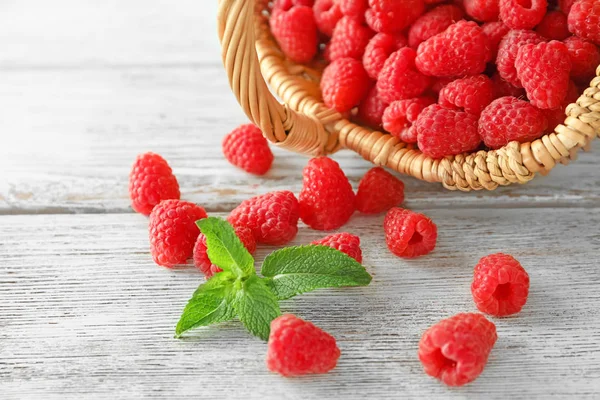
x=304, y=124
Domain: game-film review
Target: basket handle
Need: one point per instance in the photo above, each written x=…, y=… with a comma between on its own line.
x=280, y=124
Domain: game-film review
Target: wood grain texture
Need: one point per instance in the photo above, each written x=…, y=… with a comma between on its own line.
x=98, y=320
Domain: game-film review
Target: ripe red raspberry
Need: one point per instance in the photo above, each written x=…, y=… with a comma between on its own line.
x=297, y=347
x=584, y=20
x=483, y=10
x=370, y=110
x=544, y=70
x=201, y=260
x=173, y=231
x=500, y=285
x=344, y=84
x=557, y=116
x=408, y=135
x=287, y=4
x=456, y=350
x=326, y=200
x=378, y=191
x=433, y=22
x=408, y=234
x=151, y=180
x=507, y=53
x=354, y=8
x=445, y=132
x=296, y=32
x=585, y=58
x=508, y=119
x=399, y=79
x=272, y=217
x=393, y=16
x=327, y=15
x=401, y=114
x=472, y=94
x=554, y=26
x=246, y=148
x=462, y=49
x=565, y=5
x=350, y=38
x=379, y=50
x=344, y=242
x=503, y=88
x=495, y=32
x=522, y=14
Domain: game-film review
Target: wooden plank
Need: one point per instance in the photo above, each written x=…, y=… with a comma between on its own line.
x=85, y=313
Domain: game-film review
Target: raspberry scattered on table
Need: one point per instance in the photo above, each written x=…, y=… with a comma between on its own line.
x=409, y=234
x=379, y=191
x=151, y=180
x=246, y=148
x=344, y=242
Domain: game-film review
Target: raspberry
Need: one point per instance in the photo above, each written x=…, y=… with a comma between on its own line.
x=507, y=119
x=440, y=83
x=327, y=15
x=370, y=111
x=344, y=84
x=445, y=132
x=326, y=200
x=565, y=5
x=503, y=88
x=408, y=135
x=495, y=32
x=401, y=114
x=456, y=350
x=151, y=180
x=379, y=50
x=433, y=22
x=544, y=70
x=585, y=58
x=393, y=16
x=201, y=260
x=500, y=285
x=296, y=32
x=408, y=234
x=173, y=231
x=472, y=94
x=297, y=347
x=584, y=20
x=344, y=242
x=483, y=10
x=554, y=26
x=287, y=4
x=399, y=79
x=272, y=217
x=246, y=148
x=354, y=8
x=507, y=53
x=522, y=14
x=349, y=39
x=557, y=116
x=462, y=49
x=378, y=191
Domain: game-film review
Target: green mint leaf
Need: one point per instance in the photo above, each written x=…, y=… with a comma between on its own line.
x=256, y=306
x=296, y=270
x=225, y=249
x=212, y=302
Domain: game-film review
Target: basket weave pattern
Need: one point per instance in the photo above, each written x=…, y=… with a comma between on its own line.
x=304, y=124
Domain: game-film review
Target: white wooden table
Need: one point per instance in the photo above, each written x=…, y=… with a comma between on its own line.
x=85, y=85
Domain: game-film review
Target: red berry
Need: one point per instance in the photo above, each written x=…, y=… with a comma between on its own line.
x=565, y=5
x=173, y=231
x=440, y=83
x=409, y=234
x=462, y=49
x=522, y=14
x=296, y=32
x=393, y=16
x=246, y=148
x=409, y=135
x=399, y=79
x=456, y=350
x=483, y=10
x=287, y=4
x=354, y=8
x=500, y=285
x=326, y=200
x=554, y=26
x=378, y=191
x=495, y=32
x=379, y=50
x=201, y=259
x=272, y=217
x=344, y=242
x=444, y=132
x=584, y=20
x=297, y=347
x=472, y=94
x=344, y=84
x=401, y=114
x=151, y=180
x=503, y=88
x=507, y=119
x=432, y=23
x=350, y=38
x=585, y=58
x=557, y=116
x=370, y=111
x=544, y=70
x=327, y=15
x=507, y=53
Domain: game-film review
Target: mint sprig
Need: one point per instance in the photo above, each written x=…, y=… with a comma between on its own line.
x=239, y=291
